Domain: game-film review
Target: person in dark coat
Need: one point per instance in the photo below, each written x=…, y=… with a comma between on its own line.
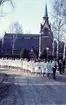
x=54, y=67
x=63, y=65
x=60, y=66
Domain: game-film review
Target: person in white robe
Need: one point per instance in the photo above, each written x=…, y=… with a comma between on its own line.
x=49, y=68
x=37, y=67
x=44, y=67
x=32, y=66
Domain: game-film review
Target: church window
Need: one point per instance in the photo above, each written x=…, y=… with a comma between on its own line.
x=46, y=30
x=31, y=37
x=22, y=37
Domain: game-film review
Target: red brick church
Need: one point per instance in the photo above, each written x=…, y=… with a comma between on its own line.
x=46, y=35
x=37, y=42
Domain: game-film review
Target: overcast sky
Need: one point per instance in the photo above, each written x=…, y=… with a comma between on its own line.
x=28, y=13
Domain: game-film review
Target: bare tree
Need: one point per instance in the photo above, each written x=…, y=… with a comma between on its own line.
x=59, y=16
x=2, y=5
x=15, y=27
x=59, y=22
x=3, y=1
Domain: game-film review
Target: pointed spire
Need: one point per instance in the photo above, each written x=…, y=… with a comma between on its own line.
x=46, y=14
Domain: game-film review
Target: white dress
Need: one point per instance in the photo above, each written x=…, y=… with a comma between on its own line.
x=49, y=67
x=32, y=66
x=37, y=67
x=42, y=67
x=45, y=67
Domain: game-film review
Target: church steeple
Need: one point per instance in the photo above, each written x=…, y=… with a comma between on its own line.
x=46, y=35
x=45, y=25
x=46, y=14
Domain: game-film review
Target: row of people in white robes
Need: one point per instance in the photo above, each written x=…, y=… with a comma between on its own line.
x=32, y=65
x=38, y=66
x=10, y=62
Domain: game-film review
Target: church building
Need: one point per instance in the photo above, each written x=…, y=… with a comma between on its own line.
x=14, y=43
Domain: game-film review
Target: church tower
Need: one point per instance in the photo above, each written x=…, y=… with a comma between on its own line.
x=46, y=35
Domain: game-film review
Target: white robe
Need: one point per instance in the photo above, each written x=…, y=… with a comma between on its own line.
x=37, y=67
x=49, y=67
x=45, y=67
x=42, y=67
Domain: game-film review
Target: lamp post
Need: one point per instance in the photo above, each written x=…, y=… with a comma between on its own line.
x=39, y=45
x=64, y=51
x=57, y=54
x=54, y=47
x=47, y=52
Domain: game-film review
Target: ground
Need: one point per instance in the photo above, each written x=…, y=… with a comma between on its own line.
x=21, y=88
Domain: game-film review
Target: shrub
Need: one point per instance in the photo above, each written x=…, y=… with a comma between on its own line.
x=43, y=54
x=24, y=53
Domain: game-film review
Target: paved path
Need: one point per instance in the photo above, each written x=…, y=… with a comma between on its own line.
x=20, y=88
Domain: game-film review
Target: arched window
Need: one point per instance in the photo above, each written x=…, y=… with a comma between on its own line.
x=46, y=30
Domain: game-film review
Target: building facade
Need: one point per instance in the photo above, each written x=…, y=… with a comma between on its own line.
x=14, y=43
x=46, y=35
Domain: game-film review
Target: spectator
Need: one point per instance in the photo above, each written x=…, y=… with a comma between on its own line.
x=54, y=67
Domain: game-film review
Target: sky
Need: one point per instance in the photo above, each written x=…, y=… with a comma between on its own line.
x=29, y=13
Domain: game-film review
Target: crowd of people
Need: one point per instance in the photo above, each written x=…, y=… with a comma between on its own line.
x=45, y=67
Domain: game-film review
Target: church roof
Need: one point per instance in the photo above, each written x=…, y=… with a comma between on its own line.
x=26, y=41
x=20, y=35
